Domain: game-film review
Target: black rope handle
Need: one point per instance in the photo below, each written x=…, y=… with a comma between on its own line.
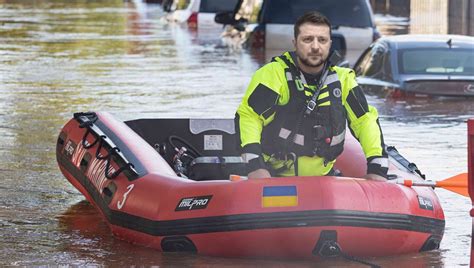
x=84, y=142
x=114, y=175
x=86, y=124
x=108, y=159
x=90, y=116
x=87, y=120
x=97, y=152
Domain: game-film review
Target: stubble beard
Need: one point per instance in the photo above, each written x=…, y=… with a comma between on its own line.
x=307, y=62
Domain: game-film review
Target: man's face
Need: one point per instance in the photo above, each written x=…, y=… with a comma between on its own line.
x=312, y=46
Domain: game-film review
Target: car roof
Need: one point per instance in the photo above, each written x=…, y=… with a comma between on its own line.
x=214, y=6
x=283, y=10
x=432, y=40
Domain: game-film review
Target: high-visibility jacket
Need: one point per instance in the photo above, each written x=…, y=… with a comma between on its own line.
x=269, y=90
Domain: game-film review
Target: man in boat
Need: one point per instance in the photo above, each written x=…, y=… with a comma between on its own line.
x=292, y=118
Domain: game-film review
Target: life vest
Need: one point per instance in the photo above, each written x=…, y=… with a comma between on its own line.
x=321, y=132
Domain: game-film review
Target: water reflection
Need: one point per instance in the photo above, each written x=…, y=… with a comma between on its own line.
x=426, y=17
x=449, y=111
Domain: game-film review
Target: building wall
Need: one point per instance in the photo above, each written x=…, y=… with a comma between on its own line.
x=398, y=8
x=429, y=16
x=461, y=17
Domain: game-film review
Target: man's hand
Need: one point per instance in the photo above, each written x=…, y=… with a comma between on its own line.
x=259, y=173
x=374, y=177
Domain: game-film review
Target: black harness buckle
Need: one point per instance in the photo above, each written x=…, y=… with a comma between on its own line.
x=311, y=105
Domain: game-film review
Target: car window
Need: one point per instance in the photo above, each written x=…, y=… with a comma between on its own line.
x=436, y=61
x=354, y=13
x=249, y=10
x=363, y=62
x=387, y=73
x=375, y=63
x=214, y=6
x=172, y=5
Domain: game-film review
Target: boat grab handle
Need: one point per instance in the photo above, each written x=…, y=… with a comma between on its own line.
x=84, y=142
x=87, y=120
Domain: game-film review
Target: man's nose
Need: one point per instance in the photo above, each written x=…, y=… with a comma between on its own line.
x=315, y=45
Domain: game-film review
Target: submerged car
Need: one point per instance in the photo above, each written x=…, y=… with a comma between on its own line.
x=198, y=13
x=272, y=28
x=418, y=65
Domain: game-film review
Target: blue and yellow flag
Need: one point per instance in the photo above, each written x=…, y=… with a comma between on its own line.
x=279, y=196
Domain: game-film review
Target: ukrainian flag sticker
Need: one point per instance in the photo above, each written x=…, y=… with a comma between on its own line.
x=279, y=196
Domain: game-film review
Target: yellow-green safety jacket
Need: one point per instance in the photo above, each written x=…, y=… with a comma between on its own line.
x=268, y=97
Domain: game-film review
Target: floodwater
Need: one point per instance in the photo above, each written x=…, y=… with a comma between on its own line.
x=63, y=56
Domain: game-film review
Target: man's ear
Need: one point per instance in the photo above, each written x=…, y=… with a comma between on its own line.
x=294, y=43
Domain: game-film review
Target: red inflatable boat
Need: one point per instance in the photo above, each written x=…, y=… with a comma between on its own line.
x=165, y=183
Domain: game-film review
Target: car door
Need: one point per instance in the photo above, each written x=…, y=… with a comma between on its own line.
x=374, y=71
x=353, y=19
x=206, y=26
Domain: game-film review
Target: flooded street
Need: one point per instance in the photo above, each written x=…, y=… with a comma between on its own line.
x=61, y=57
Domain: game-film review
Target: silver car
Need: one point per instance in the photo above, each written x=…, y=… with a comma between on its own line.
x=273, y=28
x=199, y=15
x=418, y=66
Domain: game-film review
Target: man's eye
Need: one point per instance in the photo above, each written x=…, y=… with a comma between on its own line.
x=323, y=40
x=307, y=39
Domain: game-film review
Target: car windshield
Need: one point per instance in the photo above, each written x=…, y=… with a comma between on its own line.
x=249, y=10
x=354, y=13
x=436, y=61
x=214, y=6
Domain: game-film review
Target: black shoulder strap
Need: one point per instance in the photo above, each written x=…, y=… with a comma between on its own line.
x=293, y=76
x=312, y=103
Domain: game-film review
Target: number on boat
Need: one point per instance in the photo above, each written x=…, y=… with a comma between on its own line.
x=122, y=202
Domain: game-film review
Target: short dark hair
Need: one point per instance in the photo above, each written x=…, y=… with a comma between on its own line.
x=313, y=17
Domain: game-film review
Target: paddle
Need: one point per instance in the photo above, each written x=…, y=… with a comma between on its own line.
x=457, y=184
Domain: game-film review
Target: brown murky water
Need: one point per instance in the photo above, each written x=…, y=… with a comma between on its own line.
x=60, y=57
